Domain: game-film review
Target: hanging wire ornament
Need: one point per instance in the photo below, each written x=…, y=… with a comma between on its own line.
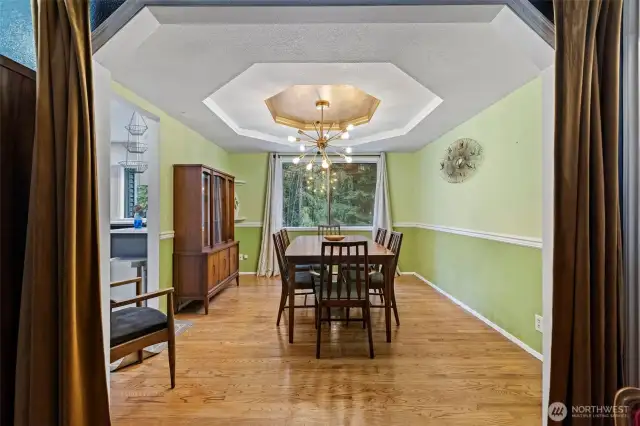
x=135, y=164
x=136, y=128
x=135, y=148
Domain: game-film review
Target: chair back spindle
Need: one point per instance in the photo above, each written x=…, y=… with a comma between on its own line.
x=328, y=230
x=285, y=237
x=381, y=236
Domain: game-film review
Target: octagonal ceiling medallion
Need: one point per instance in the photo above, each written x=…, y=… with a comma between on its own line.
x=296, y=106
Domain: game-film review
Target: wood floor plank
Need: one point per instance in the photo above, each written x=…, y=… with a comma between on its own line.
x=235, y=367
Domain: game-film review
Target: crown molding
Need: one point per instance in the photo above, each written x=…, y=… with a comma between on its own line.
x=493, y=236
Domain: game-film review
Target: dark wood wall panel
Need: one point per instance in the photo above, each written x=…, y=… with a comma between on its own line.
x=17, y=123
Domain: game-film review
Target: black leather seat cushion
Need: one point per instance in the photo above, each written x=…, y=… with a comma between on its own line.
x=133, y=322
x=303, y=280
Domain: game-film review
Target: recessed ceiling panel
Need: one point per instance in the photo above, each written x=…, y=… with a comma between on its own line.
x=267, y=100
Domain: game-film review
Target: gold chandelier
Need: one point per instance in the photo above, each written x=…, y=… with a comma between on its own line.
x=320, y=144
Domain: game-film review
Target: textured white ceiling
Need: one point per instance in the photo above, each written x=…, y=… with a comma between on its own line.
x=470, y=56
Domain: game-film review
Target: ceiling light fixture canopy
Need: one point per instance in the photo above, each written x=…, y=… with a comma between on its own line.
x=321, y=141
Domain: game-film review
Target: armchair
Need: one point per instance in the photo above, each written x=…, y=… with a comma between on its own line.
x=134, y=328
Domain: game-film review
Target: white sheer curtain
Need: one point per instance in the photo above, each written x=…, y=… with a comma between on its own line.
x=272, y=218
x=382, y=204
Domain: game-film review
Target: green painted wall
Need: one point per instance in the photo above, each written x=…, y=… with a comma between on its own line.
x=403, y=186
x=251, y=168
x=505, y=195
x=178, y=145
x=501, y=281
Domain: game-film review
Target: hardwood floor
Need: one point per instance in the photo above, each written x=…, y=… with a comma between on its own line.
x=234, y=366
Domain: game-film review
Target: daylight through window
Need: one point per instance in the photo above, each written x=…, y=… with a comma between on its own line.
x=343, y=194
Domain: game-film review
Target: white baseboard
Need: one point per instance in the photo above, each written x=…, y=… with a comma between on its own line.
x=246, y=273
x=476, y=314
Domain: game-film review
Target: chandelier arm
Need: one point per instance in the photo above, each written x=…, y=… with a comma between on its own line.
x=302, y=133
x=336, y=136
x=315, y=126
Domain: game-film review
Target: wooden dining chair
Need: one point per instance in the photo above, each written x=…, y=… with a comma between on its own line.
x=381, y=236
x=629, y=399
x=342, y=290
x=328, y=230
x=303, y=285
x=135, y=328
x=376, y=278
x=303, y=267
x=285, y=237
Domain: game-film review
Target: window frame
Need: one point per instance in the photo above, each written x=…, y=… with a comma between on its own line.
x=357, y=159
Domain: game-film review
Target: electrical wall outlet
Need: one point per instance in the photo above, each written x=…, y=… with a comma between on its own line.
x=243, y=256
x=538, y=319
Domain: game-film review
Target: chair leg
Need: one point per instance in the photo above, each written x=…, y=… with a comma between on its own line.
x=283, y=301
x=381, y=295
x=315, y=312
x=395, y=307
x=205, y=301
x=367, y=315
x=329, y=315
x=305, y=300
x=172, y=357
x=140, y=355
x=318, y=331
x=348, y=309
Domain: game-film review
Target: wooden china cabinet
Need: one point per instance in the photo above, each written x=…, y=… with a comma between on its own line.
x=205, y=253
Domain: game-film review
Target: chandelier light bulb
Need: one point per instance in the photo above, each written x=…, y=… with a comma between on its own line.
x=348, y=159
x=309, y=166
x=296, y=160
x=301, y=147
x=291, y=138
x=350, y=127
x=348, y=150
x=345, y=135
x=325, y=165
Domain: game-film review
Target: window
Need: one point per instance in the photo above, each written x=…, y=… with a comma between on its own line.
x=135, y=195
x=343, y=194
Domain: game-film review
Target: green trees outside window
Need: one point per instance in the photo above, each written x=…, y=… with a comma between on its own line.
x=342, y=194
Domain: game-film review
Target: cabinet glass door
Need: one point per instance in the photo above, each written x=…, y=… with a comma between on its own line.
x=206, y=209
x=232, y=210
x=218, y=214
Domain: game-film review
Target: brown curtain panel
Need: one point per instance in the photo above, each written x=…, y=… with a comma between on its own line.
x=61, y=368
x=587, y=347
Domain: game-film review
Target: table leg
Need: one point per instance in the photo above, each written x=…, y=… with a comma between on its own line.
x=388, y=279
x=292, y=297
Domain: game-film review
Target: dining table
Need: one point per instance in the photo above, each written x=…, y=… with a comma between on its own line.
x=307, y=249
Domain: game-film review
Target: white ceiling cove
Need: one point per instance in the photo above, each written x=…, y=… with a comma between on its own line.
x=240, y=103
x=432, y=67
